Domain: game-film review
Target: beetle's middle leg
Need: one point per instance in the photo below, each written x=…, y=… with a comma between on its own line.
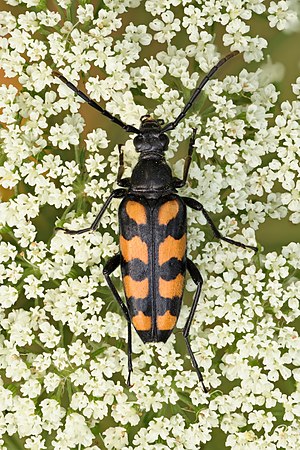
x=198, y=280
x=117, y=193
x=194, y=204
x=180, y=183
x=109, y=268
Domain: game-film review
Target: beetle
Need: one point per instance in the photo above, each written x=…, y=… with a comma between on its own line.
x=152, y=228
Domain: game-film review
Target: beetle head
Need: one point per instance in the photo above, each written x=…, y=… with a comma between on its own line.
x=151, y=140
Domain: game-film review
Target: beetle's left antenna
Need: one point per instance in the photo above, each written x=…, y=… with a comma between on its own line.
x=129, y=128
x=172, y=125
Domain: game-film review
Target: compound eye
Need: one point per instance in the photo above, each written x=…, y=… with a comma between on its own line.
x=138, y=141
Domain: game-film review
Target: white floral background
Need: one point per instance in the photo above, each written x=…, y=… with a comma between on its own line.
x=63, y=341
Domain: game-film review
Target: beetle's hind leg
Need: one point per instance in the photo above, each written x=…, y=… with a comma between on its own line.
x=109, y=268
x=198, y=280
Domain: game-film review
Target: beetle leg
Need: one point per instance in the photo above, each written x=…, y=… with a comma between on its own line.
x=187, y=162
x=198, y=280
x=194, y=204
x=109, y=268
x=121, y=163
x=117, y=193
x=125, y=182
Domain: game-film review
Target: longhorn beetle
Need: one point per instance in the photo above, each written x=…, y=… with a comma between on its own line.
x=153, y=226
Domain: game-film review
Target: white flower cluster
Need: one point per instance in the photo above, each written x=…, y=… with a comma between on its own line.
x=63, y=340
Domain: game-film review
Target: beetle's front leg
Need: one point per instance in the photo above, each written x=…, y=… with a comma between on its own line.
x=124, y=182
x=194, y=204
x=180, y=183
x=117, y=193
x=109, y=268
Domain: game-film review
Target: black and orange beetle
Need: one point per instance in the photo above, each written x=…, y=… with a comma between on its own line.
x=153, y=226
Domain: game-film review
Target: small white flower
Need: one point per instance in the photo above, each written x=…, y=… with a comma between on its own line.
x=124, y=413
x=193, y=20
x=8, y=296
x=76, y=431
x=49, y=335
x=292, y=199
x=78, y=352
x=96, y=139
x=63, y=136
x=166, y=28
x=35, y=443
x=8, y=177
x=32, y=287
x=37, y=76
x=51, y=382
x=48, y=18
x=296, y=87
x=292, y=253
x=235, y=34
x=276, y=264
x=31, y=388
x=256, y=116
x=7, y=22
x=85, y=13
x=116, y=438
x=281, y=15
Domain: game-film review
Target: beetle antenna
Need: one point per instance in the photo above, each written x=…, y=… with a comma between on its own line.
x=197, y=91
x=129, y=128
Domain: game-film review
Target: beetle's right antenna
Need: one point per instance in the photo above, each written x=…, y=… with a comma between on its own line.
x=129, y=128
x=197, y=91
